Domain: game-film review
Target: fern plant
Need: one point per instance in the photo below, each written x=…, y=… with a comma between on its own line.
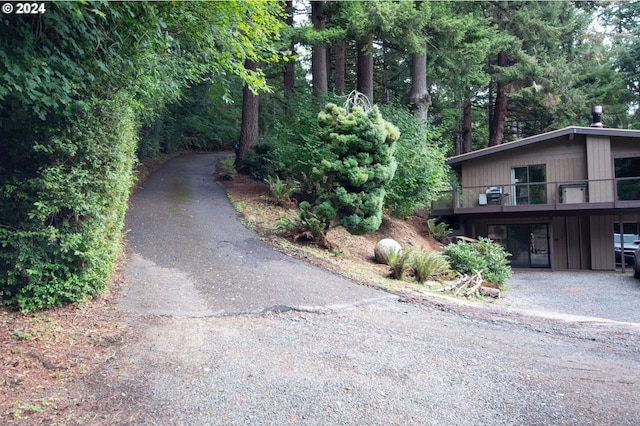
x=400, y=263
x=428, y=265
x=311, y=224
x=282, y=190
x=227, y=169
x=438, y=230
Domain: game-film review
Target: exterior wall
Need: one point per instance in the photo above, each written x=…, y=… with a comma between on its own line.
x=624, y=148
x=602, y=255
x=571, y=243
x=565, y=161
x=600, y=166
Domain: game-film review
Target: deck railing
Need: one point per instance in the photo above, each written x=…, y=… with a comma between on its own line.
x=541, y=195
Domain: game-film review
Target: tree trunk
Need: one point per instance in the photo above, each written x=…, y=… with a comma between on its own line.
x=319, y=52
x=341, y=60
x=467, y=135
x=365, y=67
x=420, y=98
x=499, y=109
x=289, y=72
x=249, y=129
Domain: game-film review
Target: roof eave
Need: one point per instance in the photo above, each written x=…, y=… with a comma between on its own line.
x=597, y=131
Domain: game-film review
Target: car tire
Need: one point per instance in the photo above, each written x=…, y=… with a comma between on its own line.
x=636, y=271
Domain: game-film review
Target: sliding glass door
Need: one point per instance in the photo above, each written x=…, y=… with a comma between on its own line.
x=527, y=243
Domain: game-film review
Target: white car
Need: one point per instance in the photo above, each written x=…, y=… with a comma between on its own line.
x=631, y=243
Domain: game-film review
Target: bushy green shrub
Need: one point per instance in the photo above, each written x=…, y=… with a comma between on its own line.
x=438, y=230
x=282, y=189
x=60, y=226
x=484, y=255
x=399, y=263
x=289, y=147
x=361, y=163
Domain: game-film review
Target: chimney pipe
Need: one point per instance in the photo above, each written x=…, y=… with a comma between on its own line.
x=596, y=113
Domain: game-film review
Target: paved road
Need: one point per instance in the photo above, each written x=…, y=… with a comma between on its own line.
x=232, y=333
x=191, y=257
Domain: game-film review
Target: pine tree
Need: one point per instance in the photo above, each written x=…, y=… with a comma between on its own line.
x=362, y=144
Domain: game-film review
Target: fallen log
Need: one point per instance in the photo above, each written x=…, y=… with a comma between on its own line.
x=490, y=291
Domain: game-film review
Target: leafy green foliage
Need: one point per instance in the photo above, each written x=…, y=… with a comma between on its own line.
x=311, y=224
x=422, y=170
x=282, y=190
x=60, y=225
x=289, y=147
x=428, y=265
x=227, y=169
x=399, y=263
x=77, y=82
x=438, y=230
x=484, y=255
x=361, y=163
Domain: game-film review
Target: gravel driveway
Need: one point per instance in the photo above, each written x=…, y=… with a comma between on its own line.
x=299, y=354
x=577, y=295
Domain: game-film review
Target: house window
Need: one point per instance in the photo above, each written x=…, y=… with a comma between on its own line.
x=529, y=184
x=628, y=174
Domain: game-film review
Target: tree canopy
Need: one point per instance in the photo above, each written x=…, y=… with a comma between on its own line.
x=87, y=86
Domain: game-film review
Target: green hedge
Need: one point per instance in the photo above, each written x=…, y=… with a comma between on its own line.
x=61, y=221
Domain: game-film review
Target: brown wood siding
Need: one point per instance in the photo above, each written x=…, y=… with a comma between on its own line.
x=601, y=232
x=560, y=254
x=624, y=148
x=571, y=243
x=565, y=161
x=599, y=166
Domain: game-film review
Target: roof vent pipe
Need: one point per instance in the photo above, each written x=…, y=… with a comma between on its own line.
x=596, y=112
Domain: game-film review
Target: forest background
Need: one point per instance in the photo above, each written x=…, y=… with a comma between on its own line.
x=90, y=88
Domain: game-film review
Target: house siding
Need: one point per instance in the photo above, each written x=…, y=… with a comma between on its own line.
x=601, y=232
x=564, y=160
x=625, y=148
x=571, y=243
x=600, y=166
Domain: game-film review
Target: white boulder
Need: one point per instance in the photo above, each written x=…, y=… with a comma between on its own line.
x=384, y=247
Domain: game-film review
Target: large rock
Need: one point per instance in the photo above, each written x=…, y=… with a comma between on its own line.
x=384, y=247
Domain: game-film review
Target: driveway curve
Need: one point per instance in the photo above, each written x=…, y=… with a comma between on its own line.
x=226, y=331
x=191, y=257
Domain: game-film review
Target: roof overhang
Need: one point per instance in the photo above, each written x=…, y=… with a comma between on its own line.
x=567, y=131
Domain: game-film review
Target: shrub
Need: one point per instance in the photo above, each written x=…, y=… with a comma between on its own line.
x=289, y=147
x=399, y=263
x=438, y=230
x=360, y=164
x=484, y=255
x=311, y=224
x=227, y=169
x=62, y=224
x=429, y=265
x=282, y=190
x=422, y=170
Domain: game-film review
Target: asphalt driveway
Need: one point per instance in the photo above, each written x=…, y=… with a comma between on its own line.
x=224, y=331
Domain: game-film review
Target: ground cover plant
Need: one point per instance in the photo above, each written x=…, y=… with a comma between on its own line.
x=484, y=256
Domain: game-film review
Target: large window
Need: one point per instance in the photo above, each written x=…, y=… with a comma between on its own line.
x=628, y=172
x=529, y=184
